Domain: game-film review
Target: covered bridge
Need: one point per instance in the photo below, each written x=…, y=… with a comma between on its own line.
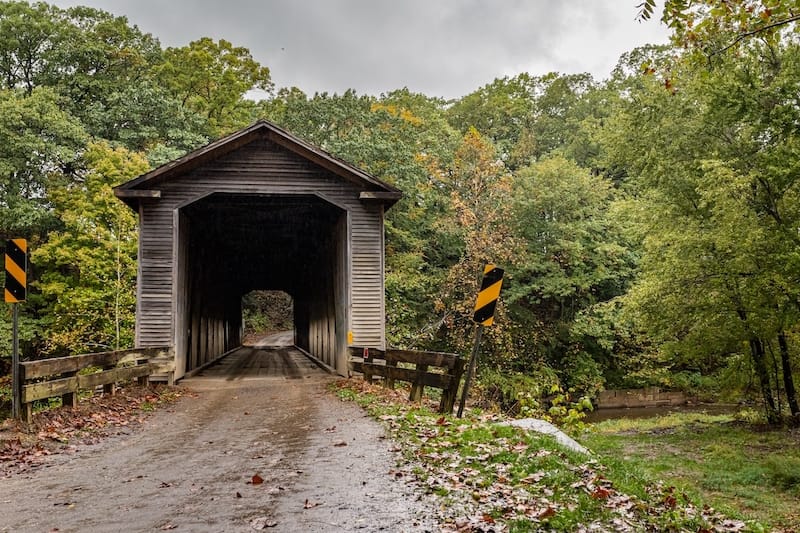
x=259, y=210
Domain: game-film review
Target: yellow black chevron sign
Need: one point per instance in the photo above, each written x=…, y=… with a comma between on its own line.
x=488, y=295
x=16, y=270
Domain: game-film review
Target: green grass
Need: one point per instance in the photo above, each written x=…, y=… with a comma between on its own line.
x=742, y=470
x=483, y=472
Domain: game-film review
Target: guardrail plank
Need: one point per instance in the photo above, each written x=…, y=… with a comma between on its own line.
x=58, y=387
x=384, y=363
x=74, y=363
x=445, y=360
x=408, y=374
x=358, y=351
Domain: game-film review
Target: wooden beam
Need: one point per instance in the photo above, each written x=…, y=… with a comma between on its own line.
x=428, y=379
x=358, y=351
x=440, y=359
x=139, y=194
x=380, y=196
x=64, y=365
x=58, y=387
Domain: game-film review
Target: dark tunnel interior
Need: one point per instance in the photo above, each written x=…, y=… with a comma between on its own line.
x=230, y=245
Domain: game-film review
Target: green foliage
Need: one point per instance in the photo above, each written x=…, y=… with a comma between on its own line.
x=528, y=117
x=571, y=257
x=715, y=211
x=267, y=312
x=211, y=78
x=715, y=26
x=89, y=267
x=38, y=141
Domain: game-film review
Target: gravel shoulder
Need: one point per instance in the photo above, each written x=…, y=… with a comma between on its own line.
x=325, y=466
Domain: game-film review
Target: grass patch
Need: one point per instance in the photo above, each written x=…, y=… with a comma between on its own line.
x=746, y=471
x=486, y=473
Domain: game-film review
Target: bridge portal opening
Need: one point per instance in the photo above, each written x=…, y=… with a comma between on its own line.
x=229, y=245
x=265, y=313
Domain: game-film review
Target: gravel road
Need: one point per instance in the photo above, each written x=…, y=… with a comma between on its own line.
x=325, y=466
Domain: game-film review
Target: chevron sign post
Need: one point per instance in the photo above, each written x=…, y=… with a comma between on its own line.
x=484, y=316
x=16, y=290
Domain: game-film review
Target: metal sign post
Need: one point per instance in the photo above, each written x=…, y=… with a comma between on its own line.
x=484, y=316
x=16, y=386
x=16, y=290
x=473, y=361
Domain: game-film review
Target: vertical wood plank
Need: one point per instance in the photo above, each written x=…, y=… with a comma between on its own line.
x=417, y=388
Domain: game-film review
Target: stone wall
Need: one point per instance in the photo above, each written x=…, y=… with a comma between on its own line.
x=647, y=397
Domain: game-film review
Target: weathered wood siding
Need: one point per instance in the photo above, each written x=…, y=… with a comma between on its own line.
x=260, y=167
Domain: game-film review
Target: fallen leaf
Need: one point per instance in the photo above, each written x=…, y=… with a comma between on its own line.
x=547, y=513
x=601, y=493
x=309, y=504
x=167, y=527
x=257, y=480
x=340, y=444
x=238, y=494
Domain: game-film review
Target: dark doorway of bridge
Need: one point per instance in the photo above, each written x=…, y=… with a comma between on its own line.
x=265, y=313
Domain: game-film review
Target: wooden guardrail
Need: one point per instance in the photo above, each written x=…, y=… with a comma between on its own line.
x=372, y=362
x=59, y=376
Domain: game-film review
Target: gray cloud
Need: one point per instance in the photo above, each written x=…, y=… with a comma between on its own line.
x=438, y=47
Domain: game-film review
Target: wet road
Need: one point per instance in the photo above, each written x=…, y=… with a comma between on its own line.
x=325, y=466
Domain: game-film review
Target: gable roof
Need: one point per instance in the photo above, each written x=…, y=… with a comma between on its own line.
x=374, y=189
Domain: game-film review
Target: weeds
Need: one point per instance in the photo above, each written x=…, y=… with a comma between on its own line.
x=494, y=477
x=747, y=471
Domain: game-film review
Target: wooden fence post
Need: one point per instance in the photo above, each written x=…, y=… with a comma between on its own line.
x=450, y=394
x=367, y=360
x=69, y=399
x=418, y=387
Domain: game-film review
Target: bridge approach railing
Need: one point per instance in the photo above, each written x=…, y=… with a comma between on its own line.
x=65, y=376
x=421, y=369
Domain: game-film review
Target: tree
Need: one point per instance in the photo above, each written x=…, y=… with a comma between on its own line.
x=211, y=78
x=502, y=111
x=528, y=117
x=39, y=144
x=715, y=26
x=715, y=205
x=479, y=189
x=102, y=68
x=570, y=256
x=29, y=35
x=88, y=268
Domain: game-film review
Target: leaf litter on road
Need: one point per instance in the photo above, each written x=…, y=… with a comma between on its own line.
x=61, y=430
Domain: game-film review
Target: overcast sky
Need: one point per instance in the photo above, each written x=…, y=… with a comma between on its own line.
x=444, y=48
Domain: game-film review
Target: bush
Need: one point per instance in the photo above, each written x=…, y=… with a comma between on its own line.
x=517, y=393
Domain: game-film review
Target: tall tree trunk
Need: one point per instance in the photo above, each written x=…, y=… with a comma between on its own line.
x=760, y=366
x=788, y=379
x=757, y=353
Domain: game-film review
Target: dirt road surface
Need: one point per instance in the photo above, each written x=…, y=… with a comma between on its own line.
x=264, y=411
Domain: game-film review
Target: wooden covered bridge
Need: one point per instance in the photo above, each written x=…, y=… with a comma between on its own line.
x=259, y=210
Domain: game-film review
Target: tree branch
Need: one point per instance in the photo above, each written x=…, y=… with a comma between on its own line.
x=750, y=33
